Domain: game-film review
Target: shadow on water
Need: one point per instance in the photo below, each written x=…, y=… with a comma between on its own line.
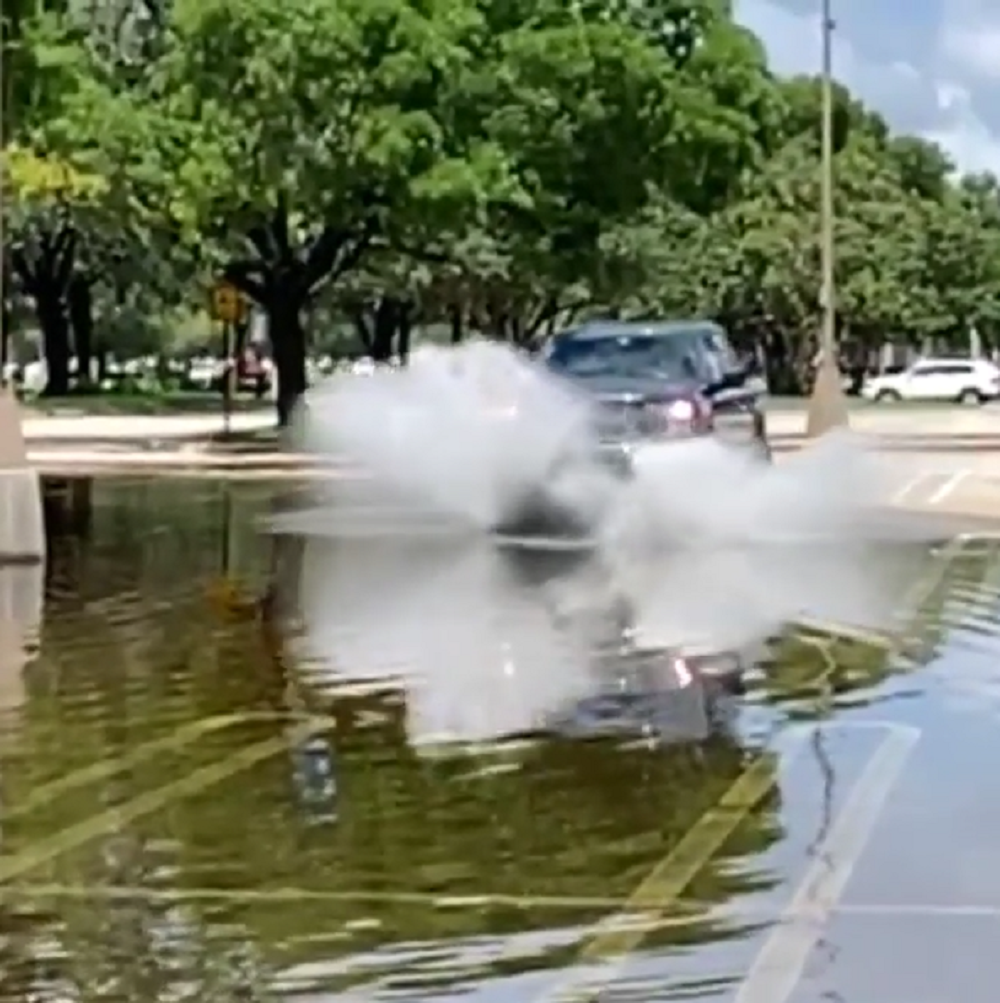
x=174, y=821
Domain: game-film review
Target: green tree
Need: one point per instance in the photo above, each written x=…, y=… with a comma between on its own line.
x=294, y=133
x=498, y=166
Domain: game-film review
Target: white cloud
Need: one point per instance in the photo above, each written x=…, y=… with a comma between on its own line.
x=968, y=139
x=977, y=47
x=970, y=37
x=944, y=91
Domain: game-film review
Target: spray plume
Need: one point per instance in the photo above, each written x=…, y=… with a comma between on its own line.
x=706, y=547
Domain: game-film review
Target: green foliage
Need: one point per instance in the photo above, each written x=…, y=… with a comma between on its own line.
x=486, y=164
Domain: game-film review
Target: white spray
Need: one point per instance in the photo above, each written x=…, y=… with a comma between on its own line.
x=708, y=546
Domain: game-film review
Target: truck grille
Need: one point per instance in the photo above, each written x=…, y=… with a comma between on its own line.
x=619, y=422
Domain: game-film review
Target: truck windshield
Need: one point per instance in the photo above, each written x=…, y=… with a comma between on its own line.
x=702, y=355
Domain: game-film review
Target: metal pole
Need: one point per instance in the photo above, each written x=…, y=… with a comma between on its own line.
x=228, y=376
x=4, y=333
x=828, y=403
x=829, y=337
x=227, y=523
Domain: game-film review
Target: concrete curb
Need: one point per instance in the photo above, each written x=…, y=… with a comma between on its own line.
x=108, y=455
x=976, y=506
x=906, y=444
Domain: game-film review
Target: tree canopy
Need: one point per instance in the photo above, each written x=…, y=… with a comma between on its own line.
x=487, y=165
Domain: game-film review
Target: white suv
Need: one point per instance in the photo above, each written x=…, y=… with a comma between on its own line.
x=969, y=381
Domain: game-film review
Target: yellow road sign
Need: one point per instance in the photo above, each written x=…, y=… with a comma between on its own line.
x=228, y=304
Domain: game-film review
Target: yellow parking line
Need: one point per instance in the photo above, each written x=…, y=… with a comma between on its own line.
x=102, y=769
x=691, y=910
x=105, y=768
x=663, y=886
x=292, y=894
x=149, y=802
x=665, y=883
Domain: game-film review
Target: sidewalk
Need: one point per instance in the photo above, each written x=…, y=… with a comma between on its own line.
x=967, y=438
x=966, y=423
x=972, y=424
x=141, y=429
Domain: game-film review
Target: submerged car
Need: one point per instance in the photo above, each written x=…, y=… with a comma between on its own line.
x=650, y=383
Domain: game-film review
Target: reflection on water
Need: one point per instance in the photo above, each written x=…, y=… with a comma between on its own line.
x=193, y=808
x=532, y=636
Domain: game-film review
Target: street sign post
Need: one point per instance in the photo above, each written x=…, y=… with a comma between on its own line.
x=229, y=307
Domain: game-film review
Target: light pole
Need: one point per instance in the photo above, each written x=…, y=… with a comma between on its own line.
x=4, y=333
x=828, y=403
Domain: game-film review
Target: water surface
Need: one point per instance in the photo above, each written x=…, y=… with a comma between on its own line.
x=194, y=809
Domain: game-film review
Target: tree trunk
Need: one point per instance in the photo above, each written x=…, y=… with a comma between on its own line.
x=5, y=326
x=81, y=317
x=53, y=319
x=288, y=346
x=45, y=272
x=387, y=316
x=284, y=279
x=457, y=324
x=405, y=333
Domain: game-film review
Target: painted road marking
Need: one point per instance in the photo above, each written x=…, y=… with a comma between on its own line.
x=910, y=486
x=930, y=911
x=663, y=886
x=105, y=768
x=931, y=487
x=152, y=801
x=690, y=910
x=778, y=967
x=918, y=488
x=833, y=630
x=618, y=935
x=293, y=894
x=949, y=486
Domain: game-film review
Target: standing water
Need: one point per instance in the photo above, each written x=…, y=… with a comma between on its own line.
x=199, y=801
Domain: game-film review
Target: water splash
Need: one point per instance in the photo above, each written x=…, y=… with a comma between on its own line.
x=484, y=642
x=707, y=546
x=718, y=549
x=470, y=433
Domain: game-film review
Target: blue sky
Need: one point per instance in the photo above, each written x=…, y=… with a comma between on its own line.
x=931, y=67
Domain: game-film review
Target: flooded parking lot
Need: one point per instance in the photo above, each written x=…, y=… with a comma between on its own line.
x=192, y=806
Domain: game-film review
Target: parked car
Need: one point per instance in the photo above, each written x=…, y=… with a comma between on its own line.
x=253, y=374
x=967, y=381
x=651, y=384
x=204, y=372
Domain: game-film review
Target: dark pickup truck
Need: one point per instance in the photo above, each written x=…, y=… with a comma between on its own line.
x=651, y=383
